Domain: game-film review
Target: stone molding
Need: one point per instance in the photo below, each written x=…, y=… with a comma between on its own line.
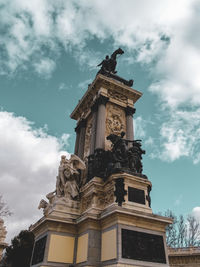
x=116, y=91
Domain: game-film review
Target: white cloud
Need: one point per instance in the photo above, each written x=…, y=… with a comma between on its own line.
x=45, y=67
x=138, y=25
x=151, y=32
x=179, y=136
x=178, y=200
x=149, y=141
x=139, y=127
x=84, y=84
x=63, y=87
x=196, y=213
x=29, y=160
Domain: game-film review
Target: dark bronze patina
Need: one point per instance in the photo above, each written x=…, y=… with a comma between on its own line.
x=121, y=158
x=143, y=246
x=136, y=195
x=38, y=252
x=108, y=67
x=120, y=192
x=148, y=198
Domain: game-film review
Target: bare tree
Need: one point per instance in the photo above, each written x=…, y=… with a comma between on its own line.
x=171, y=231
x=182, y=232
x=4, y=210
x=192, y=236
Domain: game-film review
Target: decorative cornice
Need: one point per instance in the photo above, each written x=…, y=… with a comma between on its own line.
x=100, y=81
x=129, y=111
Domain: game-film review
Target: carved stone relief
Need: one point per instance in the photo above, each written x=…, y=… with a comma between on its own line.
x=99, y=198
x=117, y=96
x=88, y=137
x=115, y=122
x=109, y=197
x=87, y=202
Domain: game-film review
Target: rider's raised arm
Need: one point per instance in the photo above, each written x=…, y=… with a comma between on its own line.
x=100, y=64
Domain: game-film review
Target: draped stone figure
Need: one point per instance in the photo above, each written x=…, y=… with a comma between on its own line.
x=68, y=182
x=68, y=179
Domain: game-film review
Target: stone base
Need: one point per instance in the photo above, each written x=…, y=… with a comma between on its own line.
x=102, y=241
x=98, y=233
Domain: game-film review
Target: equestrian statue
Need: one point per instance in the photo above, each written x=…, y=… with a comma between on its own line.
x=108, y=67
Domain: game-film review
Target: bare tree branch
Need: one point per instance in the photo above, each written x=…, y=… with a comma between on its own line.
x=4, y=210
x=182, y=232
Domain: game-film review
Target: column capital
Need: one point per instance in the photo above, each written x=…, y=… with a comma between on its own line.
x=129, y=111
x=102, y=100
x=81, y=124
x=94, y=107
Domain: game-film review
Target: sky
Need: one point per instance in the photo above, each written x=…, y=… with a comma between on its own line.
x=49, y=51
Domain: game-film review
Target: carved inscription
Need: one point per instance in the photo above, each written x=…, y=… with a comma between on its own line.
x=142, y=246
x=136, y=195
x=39, y=248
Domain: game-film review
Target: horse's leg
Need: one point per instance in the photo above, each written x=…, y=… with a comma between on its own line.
x=114, y=66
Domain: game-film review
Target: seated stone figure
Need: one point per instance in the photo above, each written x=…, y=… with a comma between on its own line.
x=68, y=179
x=67, y=183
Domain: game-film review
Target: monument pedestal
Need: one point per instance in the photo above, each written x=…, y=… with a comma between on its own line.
x=104, y=233
x=100, y=213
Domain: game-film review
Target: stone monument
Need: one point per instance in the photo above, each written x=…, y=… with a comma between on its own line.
x=100, y=212
x=3, y=233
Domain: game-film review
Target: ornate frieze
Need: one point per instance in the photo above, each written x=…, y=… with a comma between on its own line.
x=115, y=122
x=117, y=96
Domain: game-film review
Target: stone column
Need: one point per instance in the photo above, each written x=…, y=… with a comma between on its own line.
x=94, y=109
x=101, y=121
x=77, y=130
x=129, y=123
x=81, y=143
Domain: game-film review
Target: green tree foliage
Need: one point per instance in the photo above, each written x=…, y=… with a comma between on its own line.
x=18, y=254
x=183, y=232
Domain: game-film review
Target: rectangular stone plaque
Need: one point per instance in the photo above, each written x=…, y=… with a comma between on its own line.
x=39, y=248
x=143, y=246
x=136, y=195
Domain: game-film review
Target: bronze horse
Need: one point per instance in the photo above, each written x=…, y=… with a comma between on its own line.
x=109, y=64
x=113, y=61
